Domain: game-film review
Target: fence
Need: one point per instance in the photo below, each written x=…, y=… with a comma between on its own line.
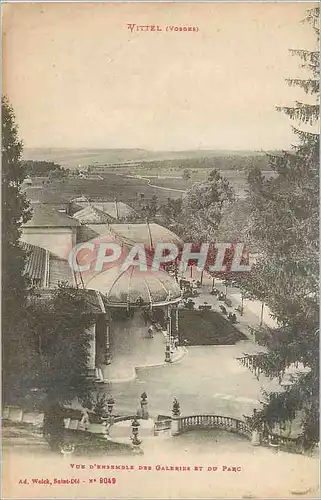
x=214, y=422
x=162, y=426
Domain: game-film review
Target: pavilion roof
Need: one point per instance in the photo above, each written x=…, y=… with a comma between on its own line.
x=133, y=287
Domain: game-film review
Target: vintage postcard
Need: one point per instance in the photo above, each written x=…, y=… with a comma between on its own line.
x=160, y=229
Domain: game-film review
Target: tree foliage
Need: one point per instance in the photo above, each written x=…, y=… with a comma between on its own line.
x=186, y=174
x=43, y=168
x=60, y=336
x=44, y=345
x=15, y=211
x=203, y=205
x=285, y=229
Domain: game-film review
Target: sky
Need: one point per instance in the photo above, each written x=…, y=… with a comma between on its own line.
x=77, y=76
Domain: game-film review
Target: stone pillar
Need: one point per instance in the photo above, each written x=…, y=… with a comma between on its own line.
x=107, y=347
x=255, y=438
x=176, y=413
x=177, y=323
x=92, y=351
x=168, y=357
x=169, y=324
x=143, y=406
x=175, y=426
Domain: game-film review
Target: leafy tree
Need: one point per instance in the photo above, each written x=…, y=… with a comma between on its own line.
x=285, y=229
x=145, y=209
x=16, y=353
x=40, y=168
x=62, y=340
x=203, y=205
x=235, y=222
x=186, y=174
x=171, y=215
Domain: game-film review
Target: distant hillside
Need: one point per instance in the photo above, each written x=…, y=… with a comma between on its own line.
x=74, y=157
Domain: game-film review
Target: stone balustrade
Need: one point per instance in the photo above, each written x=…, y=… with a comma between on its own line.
x=162, y=426
x=214, y=422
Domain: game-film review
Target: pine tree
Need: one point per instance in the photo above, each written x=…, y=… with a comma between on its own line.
x=285, y=230
x=17, y=354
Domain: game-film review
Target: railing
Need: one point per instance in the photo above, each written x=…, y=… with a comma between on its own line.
x=251, y=361
x=214, y=422
x=162, y=425
x=123, y=418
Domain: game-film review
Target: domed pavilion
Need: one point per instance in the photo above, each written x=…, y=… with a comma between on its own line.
x=132, y=288
x=142, y=305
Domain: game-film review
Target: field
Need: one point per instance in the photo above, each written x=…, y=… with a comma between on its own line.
x=124, y=174
x=111, y=186
x=73, y=158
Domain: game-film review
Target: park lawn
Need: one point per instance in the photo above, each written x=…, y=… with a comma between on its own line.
x=207, y=328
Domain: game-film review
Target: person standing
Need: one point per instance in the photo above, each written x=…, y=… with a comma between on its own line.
x=151, y=331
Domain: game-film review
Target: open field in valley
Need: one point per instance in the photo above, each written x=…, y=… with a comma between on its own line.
x=123, y=174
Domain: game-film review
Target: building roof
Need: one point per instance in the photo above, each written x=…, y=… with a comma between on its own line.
x=146, y=234
x=94, y=302
x=35, y=262
x=93, y=215
x=45, y=216
x=59, y=271
x=134, y=288
x=50, y=271
x=115, y=209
